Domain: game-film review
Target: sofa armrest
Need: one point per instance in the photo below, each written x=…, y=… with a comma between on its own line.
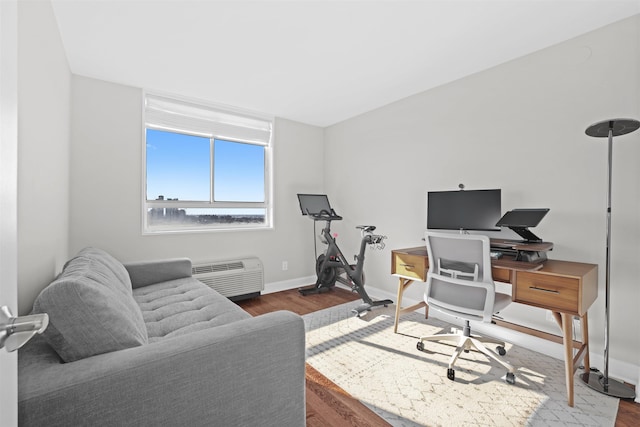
x=246, y=373
x=144, y=273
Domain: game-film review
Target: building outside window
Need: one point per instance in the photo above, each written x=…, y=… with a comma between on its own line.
x=206, y=167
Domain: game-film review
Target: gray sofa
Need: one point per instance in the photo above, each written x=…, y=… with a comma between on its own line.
x=146, y=344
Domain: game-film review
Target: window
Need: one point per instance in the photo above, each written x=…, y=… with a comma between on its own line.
x=206, y=168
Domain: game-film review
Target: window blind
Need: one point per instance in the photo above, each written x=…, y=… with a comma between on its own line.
x=205, y=120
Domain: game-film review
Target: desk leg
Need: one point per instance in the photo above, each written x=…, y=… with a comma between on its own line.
x=402, y=285
x=566, y=325
x=568, y=354
x=585, y=342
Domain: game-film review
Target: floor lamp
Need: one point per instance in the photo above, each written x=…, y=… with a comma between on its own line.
x=595, y=380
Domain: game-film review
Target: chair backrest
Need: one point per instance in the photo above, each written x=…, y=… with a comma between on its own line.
x=459, y=280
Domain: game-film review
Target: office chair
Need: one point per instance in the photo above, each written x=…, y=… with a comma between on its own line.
x=459, y=283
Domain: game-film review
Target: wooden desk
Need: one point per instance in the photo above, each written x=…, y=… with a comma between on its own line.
x=566, y=288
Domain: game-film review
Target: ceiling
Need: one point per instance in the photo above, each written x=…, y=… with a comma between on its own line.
x=316, y=62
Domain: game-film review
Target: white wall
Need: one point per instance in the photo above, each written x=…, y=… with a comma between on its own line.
x=106, y=188
x=43, y=150
x=519, y=127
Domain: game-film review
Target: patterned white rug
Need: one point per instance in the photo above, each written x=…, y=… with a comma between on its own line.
x=407, y=387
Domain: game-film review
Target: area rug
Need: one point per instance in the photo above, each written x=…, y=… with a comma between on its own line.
x=407, y=387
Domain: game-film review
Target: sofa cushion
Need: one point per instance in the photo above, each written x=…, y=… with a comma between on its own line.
x=91, y=308
x=181, y=306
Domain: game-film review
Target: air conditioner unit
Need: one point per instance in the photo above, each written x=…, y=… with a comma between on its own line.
x=235, y=279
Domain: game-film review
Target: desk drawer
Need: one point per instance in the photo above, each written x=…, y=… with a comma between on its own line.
x=413, y=266
x=555, y=293
x=501, y=275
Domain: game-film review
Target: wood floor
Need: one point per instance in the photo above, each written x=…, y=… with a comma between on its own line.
x=328, y=404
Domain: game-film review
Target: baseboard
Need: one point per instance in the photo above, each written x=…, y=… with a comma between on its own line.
x=285, y=285
x=638, y=391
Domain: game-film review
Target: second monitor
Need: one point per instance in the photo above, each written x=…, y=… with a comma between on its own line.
x=519, y=220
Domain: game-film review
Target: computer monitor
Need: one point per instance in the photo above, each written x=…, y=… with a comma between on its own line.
x=464, y=210
x=313, y=203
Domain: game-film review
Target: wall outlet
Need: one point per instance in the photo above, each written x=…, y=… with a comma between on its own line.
x=285, y=265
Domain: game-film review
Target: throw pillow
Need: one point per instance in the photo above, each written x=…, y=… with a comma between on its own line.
x=90, y=311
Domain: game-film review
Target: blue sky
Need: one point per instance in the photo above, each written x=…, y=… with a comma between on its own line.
x=178, y=167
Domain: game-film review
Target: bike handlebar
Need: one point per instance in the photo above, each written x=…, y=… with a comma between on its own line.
x=325, y=215
x=375, y=241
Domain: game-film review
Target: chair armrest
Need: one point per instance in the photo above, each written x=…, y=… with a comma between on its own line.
x=144, y=273
x=249, y=372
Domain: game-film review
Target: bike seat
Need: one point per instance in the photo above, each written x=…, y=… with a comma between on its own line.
x=368, y=228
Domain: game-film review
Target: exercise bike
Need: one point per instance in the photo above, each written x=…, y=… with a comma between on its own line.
x=332, y=266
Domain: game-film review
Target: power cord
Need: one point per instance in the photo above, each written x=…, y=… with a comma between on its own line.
x=315, y=244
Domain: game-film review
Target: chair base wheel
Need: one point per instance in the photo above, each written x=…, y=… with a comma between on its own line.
x=501, y=350
x=420, y=346
x=511, y=378
x=451, y=374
